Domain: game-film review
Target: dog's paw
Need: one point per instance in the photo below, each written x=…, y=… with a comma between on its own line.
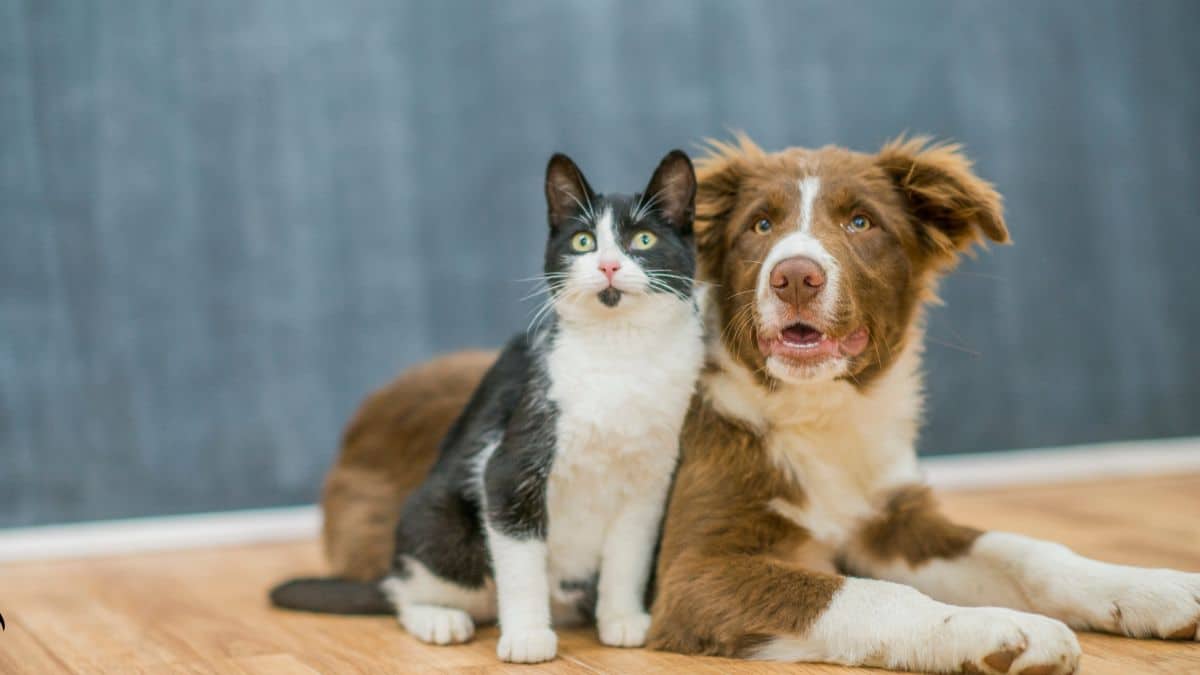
x=625, y=631
x=1001, y=641
x=1150, y=603
x=527, y=646
x=437, y=625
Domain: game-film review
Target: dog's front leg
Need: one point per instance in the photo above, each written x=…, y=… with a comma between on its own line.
x=914, y=544
x=756, y=607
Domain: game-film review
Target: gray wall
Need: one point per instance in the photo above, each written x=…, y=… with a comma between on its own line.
x=223, y=222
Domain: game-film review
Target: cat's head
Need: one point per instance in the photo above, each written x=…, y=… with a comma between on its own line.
x=609, y=254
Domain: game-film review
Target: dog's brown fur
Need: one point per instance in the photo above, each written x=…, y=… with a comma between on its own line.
x=789, y=477
x=387, y=449
x=912, y=526
x=927, y=205
x=723, y=587
x=723, y=542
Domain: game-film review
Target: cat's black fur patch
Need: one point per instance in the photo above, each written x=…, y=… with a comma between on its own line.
x=442, y=522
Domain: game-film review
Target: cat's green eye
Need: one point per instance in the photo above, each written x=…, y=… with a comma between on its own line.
x=583, y=242
x=644, y=240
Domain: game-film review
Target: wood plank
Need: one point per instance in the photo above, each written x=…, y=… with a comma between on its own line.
x=205, y=611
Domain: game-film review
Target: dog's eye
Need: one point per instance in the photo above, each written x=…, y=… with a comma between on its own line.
x=762, y=226
x=583, y=242
x=859, y=223
x=644, y=240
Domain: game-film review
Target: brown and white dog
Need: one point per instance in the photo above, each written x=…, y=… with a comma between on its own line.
x=798, y=460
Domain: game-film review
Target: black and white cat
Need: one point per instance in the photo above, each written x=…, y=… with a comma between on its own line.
x=546, y=500
x=547, y=496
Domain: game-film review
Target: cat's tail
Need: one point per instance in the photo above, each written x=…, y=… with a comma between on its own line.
x=331, y=595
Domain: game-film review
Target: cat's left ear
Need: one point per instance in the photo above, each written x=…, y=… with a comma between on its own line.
x=568, y=194
x=672, y=191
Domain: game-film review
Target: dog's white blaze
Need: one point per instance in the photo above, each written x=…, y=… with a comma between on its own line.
x=809, y=187
x=800, y=243
x=910, y=631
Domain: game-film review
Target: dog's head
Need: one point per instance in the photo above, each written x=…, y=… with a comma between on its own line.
x=822, y=257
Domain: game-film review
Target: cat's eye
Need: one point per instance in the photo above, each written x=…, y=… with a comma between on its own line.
x=859, y=223
x=644, y=240
x=583, y=242
x=762, y=226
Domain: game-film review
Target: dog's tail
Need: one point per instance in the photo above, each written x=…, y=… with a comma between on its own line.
x=331, y=595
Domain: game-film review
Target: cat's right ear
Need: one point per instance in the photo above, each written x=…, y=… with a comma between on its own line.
x=567, y=191
x=672, y=191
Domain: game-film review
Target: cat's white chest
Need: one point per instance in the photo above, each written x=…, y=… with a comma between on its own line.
x=621, y=403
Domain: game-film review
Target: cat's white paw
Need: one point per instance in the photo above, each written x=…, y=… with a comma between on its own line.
x=437, y=625
x=527, y=646
x=625, y=631
x=1004, y=641
x=1147, y=603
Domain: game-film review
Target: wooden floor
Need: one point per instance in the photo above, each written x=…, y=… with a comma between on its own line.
x=205, y=611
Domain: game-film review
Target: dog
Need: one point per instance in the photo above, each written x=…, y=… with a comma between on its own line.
x=799, y=528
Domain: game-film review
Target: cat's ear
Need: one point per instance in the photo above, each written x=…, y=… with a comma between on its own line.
x=671, y=191
x=567, y=191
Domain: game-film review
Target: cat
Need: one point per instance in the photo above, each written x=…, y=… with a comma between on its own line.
x=546, y=500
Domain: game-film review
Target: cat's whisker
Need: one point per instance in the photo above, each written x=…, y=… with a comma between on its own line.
x=668, y=275
x=541, y=277
x=667, y=288
x=644, y=206
x=551, y=288
x=588, y=210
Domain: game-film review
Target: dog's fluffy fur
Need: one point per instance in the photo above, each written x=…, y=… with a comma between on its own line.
x=798, y=463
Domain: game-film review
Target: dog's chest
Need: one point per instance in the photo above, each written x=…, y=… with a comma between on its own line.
x=844, y=472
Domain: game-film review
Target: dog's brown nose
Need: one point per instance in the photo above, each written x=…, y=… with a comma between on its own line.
x=797, y=281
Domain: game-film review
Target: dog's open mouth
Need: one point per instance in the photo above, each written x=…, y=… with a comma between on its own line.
x=803, y=342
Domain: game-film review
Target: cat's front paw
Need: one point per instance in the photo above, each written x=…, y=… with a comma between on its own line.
x=532, y=645
x=437, y=625
x=1151, y=603
x=625, y=631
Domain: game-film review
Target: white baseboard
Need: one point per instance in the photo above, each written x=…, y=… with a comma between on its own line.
x=159, y=533
x=1062, y=465
x=996, y=469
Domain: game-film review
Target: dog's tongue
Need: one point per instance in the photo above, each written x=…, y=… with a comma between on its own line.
x=801, y=335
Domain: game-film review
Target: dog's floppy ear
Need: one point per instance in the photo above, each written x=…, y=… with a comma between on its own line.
x=719, y=175
x=953, y=207
x=567, y=191
x=672, y=191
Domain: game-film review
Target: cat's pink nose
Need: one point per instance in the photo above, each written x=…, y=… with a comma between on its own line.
x=609, y=267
